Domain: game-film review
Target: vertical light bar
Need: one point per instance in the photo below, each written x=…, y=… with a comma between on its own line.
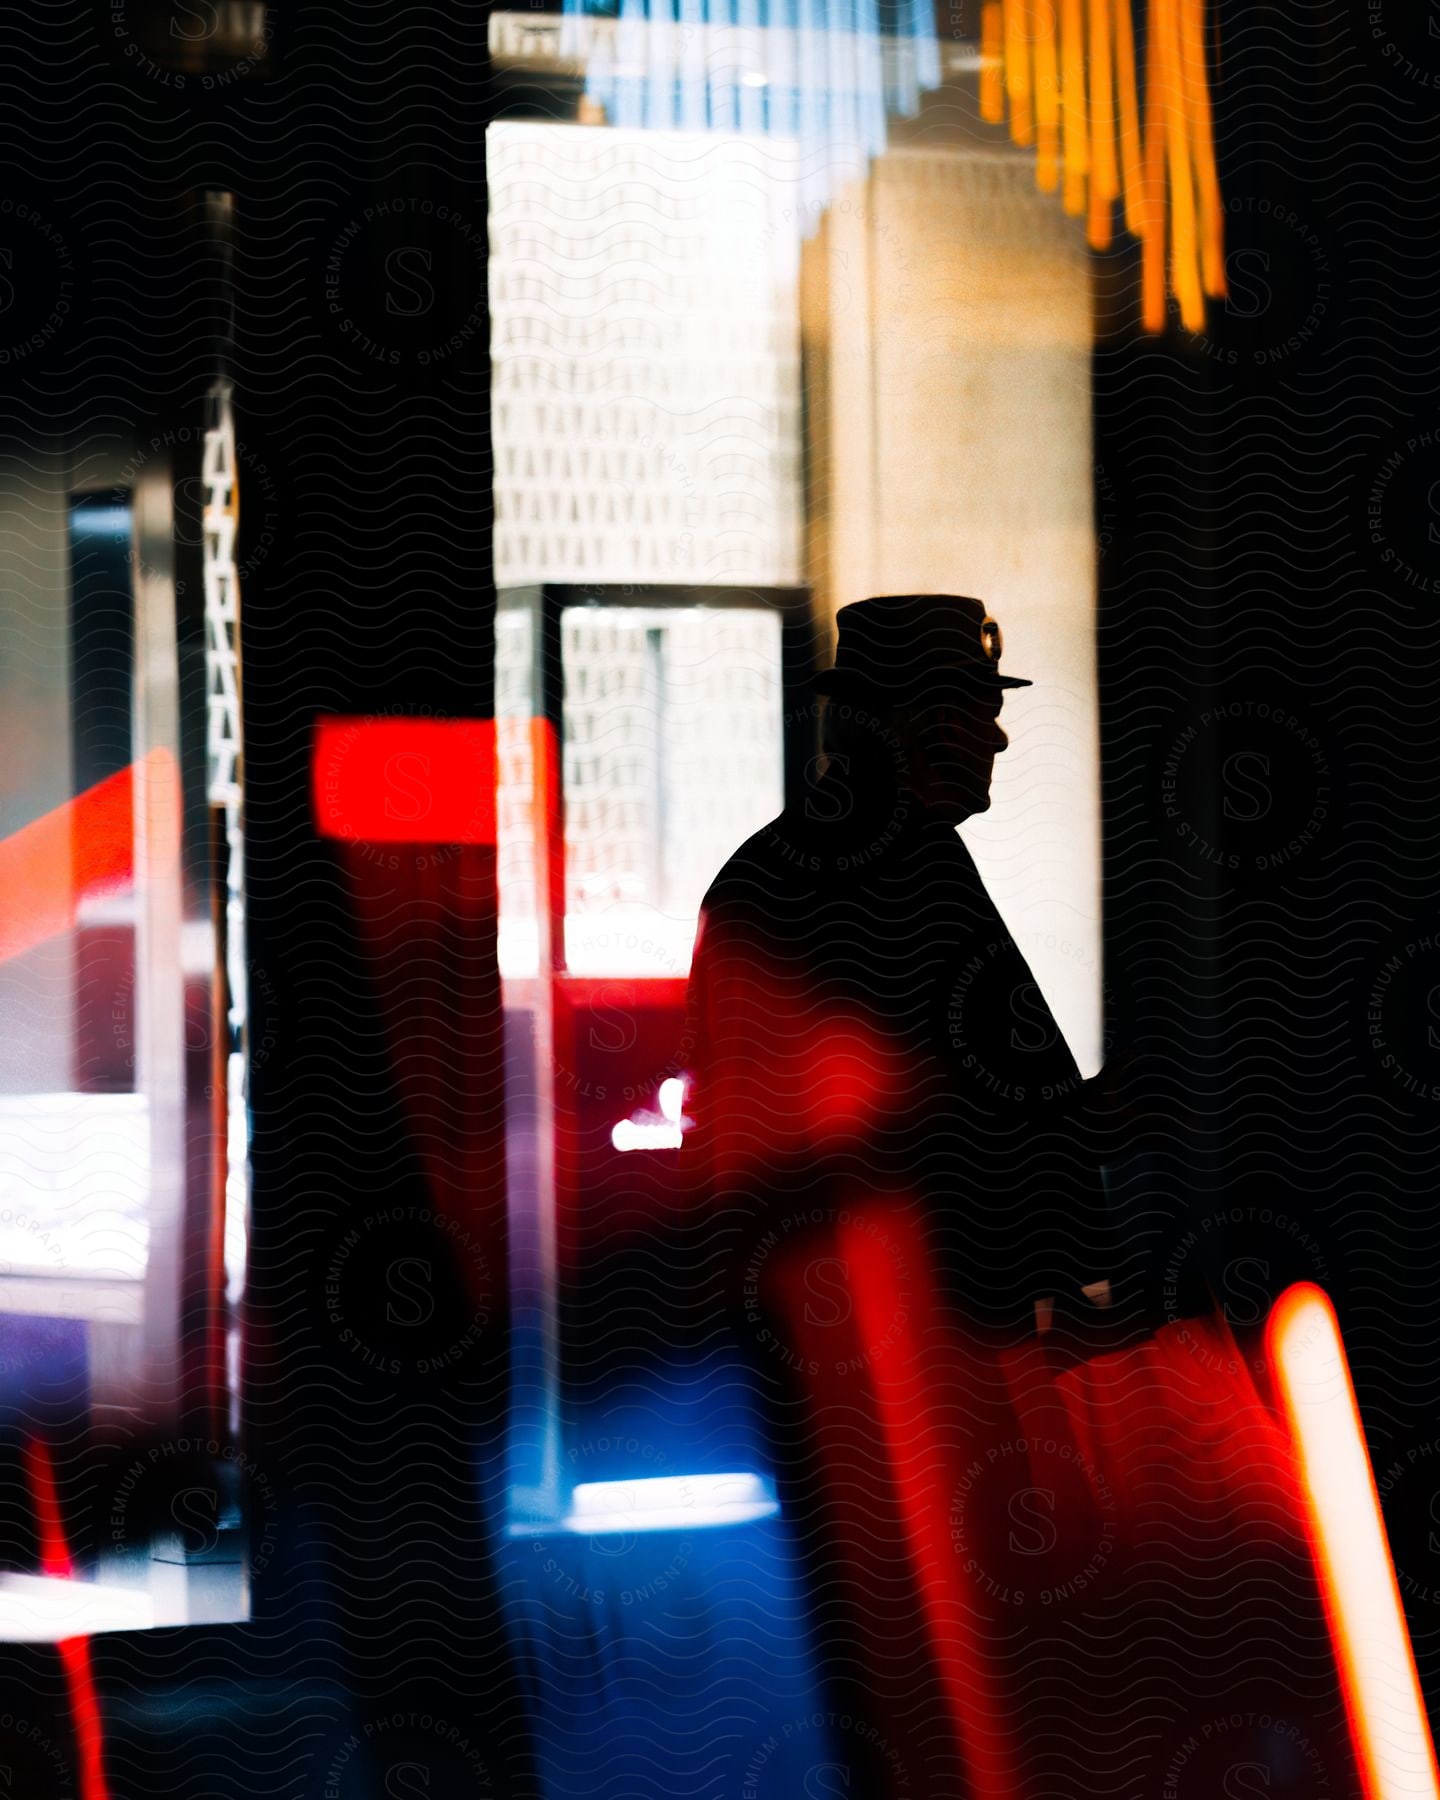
x=1017, y=71
x=632, y=73
x=1197, y=107
x=1104, y=164
x=724, y=78
x=159, y=894
x=529, y=872
x=992, y=62
x=225, y=761
x=1184, y=245
x=1075, y=118
x=1045, y=89
x=694, y=97
x=751, y=21
x=1154, y=230
x=927, y=45
x=1388, y=1727
x=1127, y=105
x=782, y=49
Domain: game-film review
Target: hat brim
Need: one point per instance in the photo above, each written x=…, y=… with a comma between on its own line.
x=843, y=681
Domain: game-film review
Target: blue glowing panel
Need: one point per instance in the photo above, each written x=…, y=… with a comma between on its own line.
x=823, y=72
x=670, y=1503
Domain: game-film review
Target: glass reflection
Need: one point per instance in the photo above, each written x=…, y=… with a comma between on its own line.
x=123, y=1133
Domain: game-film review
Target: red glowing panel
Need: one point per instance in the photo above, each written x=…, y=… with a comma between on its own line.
x=404, y=781
x=1347, y=1534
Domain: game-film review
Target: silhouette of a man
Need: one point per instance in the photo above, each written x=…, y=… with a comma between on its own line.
x=861, y=1020
x=877, y=1080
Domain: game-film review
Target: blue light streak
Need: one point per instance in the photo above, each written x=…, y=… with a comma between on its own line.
x=828, y=73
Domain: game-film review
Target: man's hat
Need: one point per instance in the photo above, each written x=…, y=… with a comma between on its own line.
x=914, y=647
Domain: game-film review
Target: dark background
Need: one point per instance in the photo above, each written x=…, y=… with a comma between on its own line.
x=1241, y=566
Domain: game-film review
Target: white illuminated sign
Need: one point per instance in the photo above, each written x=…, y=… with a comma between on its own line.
x=645, y=351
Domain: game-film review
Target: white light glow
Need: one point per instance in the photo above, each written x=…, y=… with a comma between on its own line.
x=669, y=1503
x=629, y=940
x=43, y=1609
x=646, y=1132
x=74, y=1186
x=627, y=1135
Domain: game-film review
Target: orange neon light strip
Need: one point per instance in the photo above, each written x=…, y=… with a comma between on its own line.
x=1152, y=259
x=1388, y=1728
x=1070, y=79
x=1184, y=250
x=1104, y=164
x=992, y=62
x=1072, y=87
x=1047, y=95
x=1017, y=70
x=1128, y=106
x=1197, y=108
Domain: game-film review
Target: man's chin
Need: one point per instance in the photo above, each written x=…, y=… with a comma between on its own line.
x=957, y=809
x=956, y=804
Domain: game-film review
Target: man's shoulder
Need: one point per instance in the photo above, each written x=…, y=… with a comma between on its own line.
x=771, y=860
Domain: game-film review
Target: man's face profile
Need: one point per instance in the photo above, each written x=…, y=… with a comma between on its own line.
x=951, y=748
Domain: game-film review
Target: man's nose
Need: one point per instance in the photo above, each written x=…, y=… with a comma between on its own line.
x=1002, y=742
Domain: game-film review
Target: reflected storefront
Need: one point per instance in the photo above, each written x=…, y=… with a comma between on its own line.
x=123, y=1125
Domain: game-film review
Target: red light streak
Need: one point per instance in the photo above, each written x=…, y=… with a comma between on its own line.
x=84, y=848
x=1378, y=1677
x=55, y=1561
x=914, y=1441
